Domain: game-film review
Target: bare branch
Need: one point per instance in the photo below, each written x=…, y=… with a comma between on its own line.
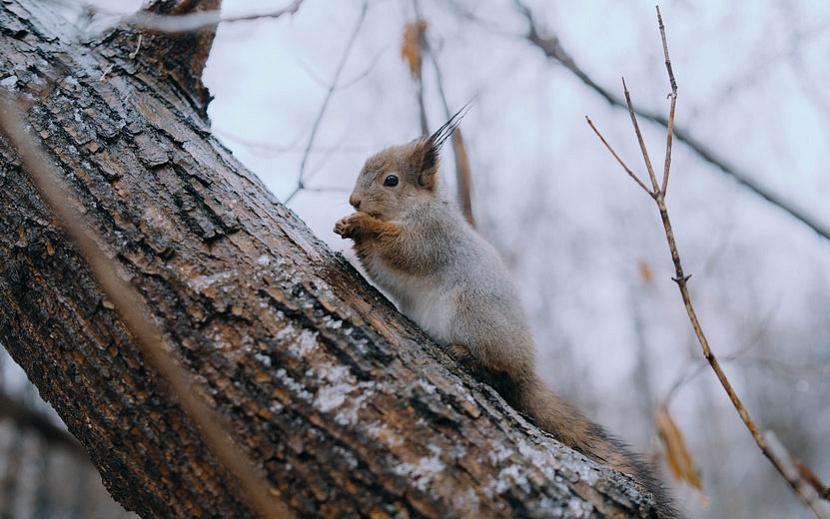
x=806, y=491
x=332, y=87
x=412, y=49
x=463, y=174
x=655, y=188
x=801, y=478
x=669, y=70
x=673, y=97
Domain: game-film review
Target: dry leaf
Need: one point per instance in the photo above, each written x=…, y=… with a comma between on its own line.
x=645, y=271
x=679, y=460
x=411, y=46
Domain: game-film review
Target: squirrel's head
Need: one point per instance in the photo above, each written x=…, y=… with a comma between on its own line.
x=393, y=179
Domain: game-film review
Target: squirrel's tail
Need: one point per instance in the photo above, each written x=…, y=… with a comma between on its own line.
x=570, y=427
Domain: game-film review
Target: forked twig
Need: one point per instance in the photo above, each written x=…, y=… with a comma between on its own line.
x=329, y=93
x=809, y=490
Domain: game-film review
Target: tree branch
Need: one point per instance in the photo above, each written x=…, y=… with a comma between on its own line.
x=779, y=457
x=186, y=18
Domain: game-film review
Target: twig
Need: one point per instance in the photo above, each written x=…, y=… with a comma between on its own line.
x=332, y=87
x=617, y=157
x=673, y=96
x=640, y=140
x=263, y=498
x=806, y=491
x=554, y=50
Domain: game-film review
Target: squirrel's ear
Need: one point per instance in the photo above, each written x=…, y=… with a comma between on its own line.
x=428, y=167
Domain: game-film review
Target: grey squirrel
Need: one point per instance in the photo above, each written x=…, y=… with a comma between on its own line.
x=415, y=243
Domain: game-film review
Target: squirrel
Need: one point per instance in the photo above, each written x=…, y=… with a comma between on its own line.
x=414, y=242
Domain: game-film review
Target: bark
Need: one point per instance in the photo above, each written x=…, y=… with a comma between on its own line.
x=346, y=407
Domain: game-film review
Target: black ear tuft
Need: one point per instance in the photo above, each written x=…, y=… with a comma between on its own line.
x=431, y=147
x=437, y=139
x=430, y=158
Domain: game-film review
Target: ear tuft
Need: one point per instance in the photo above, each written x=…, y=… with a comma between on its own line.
x=432, y=147
x=443, y=133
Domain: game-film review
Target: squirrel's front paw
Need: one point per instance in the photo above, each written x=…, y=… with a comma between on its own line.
x=348, y=226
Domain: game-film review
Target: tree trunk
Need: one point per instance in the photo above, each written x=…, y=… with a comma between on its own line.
x=345, y=407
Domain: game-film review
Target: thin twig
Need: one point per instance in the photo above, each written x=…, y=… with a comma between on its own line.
x=673, y=96
x=808, y=492
x=332, y=87
x=642, y=143
x=263, y=498
x=617, y=157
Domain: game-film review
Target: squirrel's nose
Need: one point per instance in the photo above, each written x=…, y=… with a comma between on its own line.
x=355, y=201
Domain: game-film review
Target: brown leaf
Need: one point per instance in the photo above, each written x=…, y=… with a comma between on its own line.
x=679, y=460
x=645, y=271
x=411, y=46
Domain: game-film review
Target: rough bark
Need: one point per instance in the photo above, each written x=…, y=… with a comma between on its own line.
x=347, y=408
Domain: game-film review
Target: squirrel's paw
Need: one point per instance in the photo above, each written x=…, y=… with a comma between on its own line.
x=347, y=226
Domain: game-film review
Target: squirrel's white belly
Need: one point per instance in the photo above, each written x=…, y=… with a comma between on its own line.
x=430, y=306
x=434, y=312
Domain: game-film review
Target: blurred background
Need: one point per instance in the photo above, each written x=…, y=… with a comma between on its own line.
x=303, y=100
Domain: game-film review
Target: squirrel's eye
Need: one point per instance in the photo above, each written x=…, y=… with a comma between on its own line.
x=390, y=181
